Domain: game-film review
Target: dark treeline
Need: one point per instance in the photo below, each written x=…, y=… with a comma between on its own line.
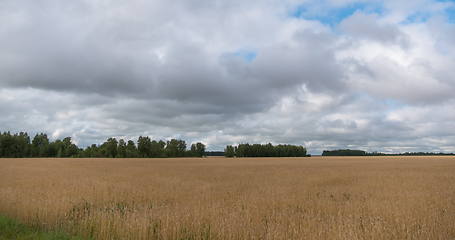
x=344, y=152
x=21, y=145
x=349, y=152
x=265, y=150
x=214, y=154
x=411, y=154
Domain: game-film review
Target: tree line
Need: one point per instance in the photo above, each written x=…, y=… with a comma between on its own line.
x=344, y=152
x=350, y=152
x=214, y=153
x=20, y=145
x=264, y=150
x=420, y=154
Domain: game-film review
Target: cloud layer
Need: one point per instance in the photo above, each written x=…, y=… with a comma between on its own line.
x=377, y=76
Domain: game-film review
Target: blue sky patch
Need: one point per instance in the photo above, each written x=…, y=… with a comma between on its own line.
x=333, y=16
x=418, y=17
x=450, y=12
x=423, y=16
x=247, y=55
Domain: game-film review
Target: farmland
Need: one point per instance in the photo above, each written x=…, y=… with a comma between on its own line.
x=221, y=198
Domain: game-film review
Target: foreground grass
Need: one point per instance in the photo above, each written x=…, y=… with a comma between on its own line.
x=11, y=229
x=337, y=198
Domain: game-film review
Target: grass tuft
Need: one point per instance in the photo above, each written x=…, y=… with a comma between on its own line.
x=11, y=229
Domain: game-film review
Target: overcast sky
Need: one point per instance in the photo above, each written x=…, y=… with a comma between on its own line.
x=372, y=75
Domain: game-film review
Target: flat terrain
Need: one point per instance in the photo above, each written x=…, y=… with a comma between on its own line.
x=218, y=198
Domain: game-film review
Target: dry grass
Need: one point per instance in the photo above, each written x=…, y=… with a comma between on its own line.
x=217, y=198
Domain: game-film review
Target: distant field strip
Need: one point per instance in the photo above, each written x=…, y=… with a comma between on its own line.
x=220, y=198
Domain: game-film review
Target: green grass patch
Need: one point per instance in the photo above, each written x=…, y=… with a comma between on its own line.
x=11, y=229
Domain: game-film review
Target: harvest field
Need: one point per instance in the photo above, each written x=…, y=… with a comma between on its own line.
x=219, y=198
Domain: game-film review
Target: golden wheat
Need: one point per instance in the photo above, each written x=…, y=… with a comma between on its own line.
x=218, y=198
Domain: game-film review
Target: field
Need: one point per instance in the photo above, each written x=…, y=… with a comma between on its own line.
x=219, y=198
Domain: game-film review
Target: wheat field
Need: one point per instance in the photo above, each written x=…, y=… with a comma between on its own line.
x=219, y=198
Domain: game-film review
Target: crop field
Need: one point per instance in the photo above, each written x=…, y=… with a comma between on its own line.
x=220, y=198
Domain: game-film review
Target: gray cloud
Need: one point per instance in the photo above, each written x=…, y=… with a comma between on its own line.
x=167, y=62
x=364, y=26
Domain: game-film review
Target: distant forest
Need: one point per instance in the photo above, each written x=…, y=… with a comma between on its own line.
x=350, y=152
x=20, y=145
x=265, y=150
x=214, y=154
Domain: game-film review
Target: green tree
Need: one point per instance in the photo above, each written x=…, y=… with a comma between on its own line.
x=21, y=146
x=175, y=148
x=157, y=148
x=91, y=151
x=7, y=145
x=121, y=150
x=229, y=151
x=69, y=149
x=56, y=149
x=40, y=145
x=112, y=147
x=131, y=150
x=197, y=150
x=144, y=146
x=109, y=148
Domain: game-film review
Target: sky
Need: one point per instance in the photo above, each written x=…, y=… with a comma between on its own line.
x=373, y=75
